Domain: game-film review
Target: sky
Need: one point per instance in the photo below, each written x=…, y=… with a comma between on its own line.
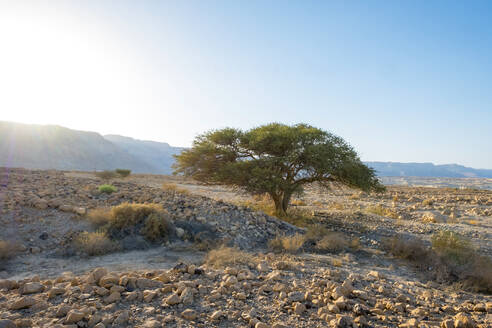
x=401, y=81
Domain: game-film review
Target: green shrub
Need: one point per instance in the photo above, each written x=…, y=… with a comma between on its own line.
x=107, y=189
x=123, y=172
x=95, y=243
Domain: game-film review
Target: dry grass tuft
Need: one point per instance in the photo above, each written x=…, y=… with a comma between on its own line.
x=428, y=202
x=332, y=242
x=95, y=243
x=381, y=211
x=452, y=258
x=452, y=246
x=156, y=227
x=130, y=214
x=99, y=217
x=228, y=256
x=290, y=244
x=8, y=250
x=173, y=188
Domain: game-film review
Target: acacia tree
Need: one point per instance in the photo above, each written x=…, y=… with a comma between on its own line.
x=276, y=159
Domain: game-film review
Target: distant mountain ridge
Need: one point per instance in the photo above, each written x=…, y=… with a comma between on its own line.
x=56, y=147
x=395, y=169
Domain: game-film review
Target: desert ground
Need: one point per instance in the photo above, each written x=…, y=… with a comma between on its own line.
x=344, y=259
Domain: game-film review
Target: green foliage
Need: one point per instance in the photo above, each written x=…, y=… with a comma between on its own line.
x=107, y=189
x=106, y=175
x=123, y=172
x=276, y=159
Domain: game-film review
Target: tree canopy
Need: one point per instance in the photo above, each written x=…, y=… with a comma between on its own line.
x=277, y=159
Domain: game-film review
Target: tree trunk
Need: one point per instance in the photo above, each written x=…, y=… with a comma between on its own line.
x=279, y=206
x=286, y=201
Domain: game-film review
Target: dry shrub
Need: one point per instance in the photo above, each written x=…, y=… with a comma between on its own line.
x=333, y=242
x=156, y=227
x=381, y=211
x=451, y=257
x=290, y=244
x=355, y=244
x=337, y=206
x=173, y=188
x=123, y=172
x=316, y=232
x=452, y=246
x=95, y=243
x=298, y=202
x=106, y=175
x=99, y=216
x=227, y=256
x=128, y=215
x=8, y=250
x=427, y=202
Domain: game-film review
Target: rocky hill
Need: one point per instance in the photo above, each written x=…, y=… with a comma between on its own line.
x=157, y=154
x=395, y=169
x=56, y=147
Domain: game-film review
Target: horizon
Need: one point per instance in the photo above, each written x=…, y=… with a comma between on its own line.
x=405, y=82
x=148, y=140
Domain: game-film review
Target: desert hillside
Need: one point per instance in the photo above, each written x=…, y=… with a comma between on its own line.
x=56, y=147
x=161, y=251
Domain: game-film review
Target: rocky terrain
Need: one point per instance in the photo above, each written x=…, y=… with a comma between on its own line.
x=177, y=284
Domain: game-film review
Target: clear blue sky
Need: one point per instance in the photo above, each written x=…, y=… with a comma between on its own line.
x=407, y=81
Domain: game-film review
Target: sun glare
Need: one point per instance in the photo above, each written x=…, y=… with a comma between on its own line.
x=56, y=69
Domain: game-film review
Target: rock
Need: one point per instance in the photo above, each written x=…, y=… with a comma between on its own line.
x=80, y=210
x=62, y=310
x=44, y=236
x=216, y=315
x=122, y=318
x=411, y=323
x=96, y=275
x=173, y=299
x=295, y=296
x=447, y=323
x=189, y=314
x=53, y=292
x=31, y=288
x=65, y=208
x=148, y=295
x=261, y=325
x=112, y=298
x=22, y=303
x=108, y=281
x=263, y=266
x=463, y=320
x=343, y=322
x=7, y=284
x=299, y=308
x=7, y=324
x=74, y=316
x=180, y=232
x=144, y=283
x=187, y=296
